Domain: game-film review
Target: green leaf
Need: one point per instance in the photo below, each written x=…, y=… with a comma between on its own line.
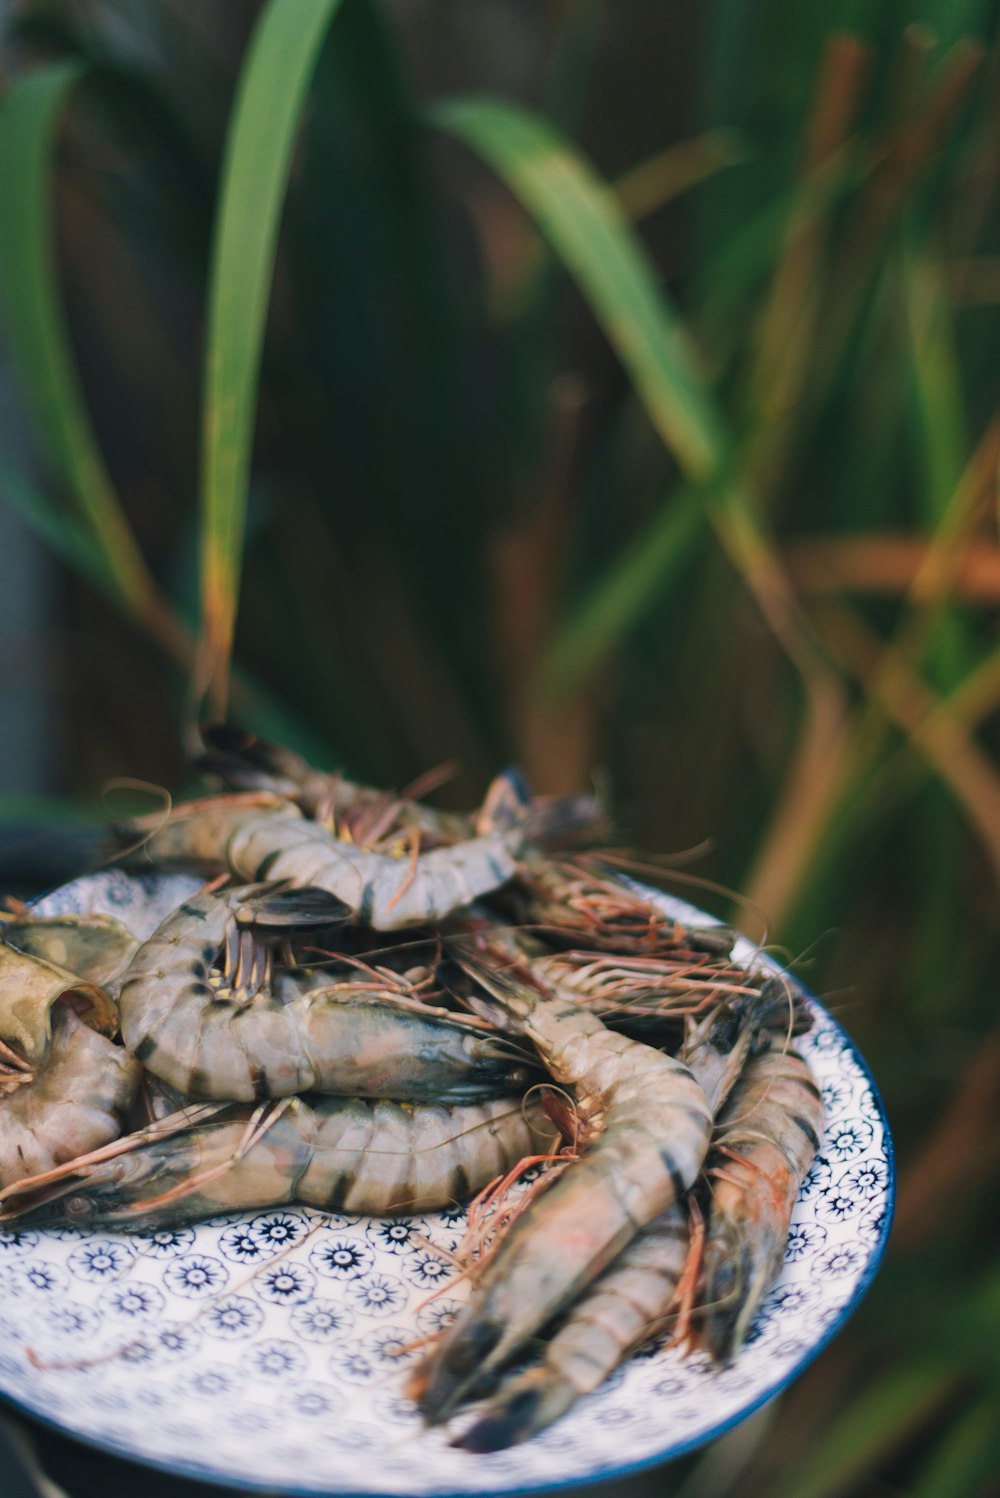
x=965, y=1461
x=258, y=155
x=33, y=315
x=60, y=531
x=627, y=591
x=584, y=223
x=879, y=1420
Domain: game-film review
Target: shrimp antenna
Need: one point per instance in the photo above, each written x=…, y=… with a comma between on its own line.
x=622, y=859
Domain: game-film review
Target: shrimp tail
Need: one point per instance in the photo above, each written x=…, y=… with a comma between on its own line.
x=533, y=1404
x=506, y=805
x=546, y=822
x=500, y=998
x=247, y=763
x=279, y=907
x=731, y=1295
x=567, y=822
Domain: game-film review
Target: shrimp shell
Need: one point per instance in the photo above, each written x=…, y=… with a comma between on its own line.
x=631, y=1299
x=94, y=948
x=766, y=1141
x=209, y=1042
x=385, y=892
x=645, y=1124
x=621, y=1311
x=30, y=989
x=339, y=1154
x=257, y=836
x=73, y=1104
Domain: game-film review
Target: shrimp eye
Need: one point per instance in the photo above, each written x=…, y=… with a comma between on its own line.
x=79, y=1208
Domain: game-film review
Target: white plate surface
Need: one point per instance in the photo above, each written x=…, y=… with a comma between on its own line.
x=259, y=1350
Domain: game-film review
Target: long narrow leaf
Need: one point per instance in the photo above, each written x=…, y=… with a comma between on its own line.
x=262, y=133
x=60, y=531
x=36, y=325
x=584, y=222
x=625, y=594
x=869, y=1429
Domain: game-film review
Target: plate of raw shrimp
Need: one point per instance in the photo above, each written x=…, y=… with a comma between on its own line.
x=217, y=1304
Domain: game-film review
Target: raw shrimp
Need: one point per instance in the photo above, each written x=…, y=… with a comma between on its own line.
x=73, y=1103
x=630, y=1303
x=262, y=836
x=212, y=1036
x=644, y=1126
x=245, y=762
x=632, y=1299
x=340, y=1154
x=376, y=819
x=94, y=948
x=30, y=989
x=766, y=1141
x=258, y=837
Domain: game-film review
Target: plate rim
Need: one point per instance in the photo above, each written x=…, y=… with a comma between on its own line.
x=211, y=1477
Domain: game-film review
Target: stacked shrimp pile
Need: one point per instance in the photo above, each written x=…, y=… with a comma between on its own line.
x=375, y=1007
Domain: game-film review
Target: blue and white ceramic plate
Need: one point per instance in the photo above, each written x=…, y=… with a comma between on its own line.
x=263, y=1351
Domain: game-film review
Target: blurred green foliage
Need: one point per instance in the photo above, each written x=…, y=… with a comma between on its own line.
x=686, y=473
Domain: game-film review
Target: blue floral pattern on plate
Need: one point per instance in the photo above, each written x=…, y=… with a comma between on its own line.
x=272, y=1348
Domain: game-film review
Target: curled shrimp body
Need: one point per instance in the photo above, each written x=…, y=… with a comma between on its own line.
x=644, y=1127
x=384, y=891
x=75, y=1102
x=624, y=1308
x=340, y=1154
x=766, y=1141
x=245, y=762
x=243, y=1038
x=263, y=837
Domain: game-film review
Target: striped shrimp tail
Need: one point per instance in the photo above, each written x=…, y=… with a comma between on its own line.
x=528, y=1404
x=246, y=763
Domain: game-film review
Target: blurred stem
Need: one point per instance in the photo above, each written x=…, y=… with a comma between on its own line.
x=622, y=597
x=884, y=673
x=962, y=1151
x=889, y=565
x=906, y=151
x=869, y=1429
x=816, y=779
x=650, y=186
x=964, y=1462
x=936, y=729
x=784, y=340
x=578, y=29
